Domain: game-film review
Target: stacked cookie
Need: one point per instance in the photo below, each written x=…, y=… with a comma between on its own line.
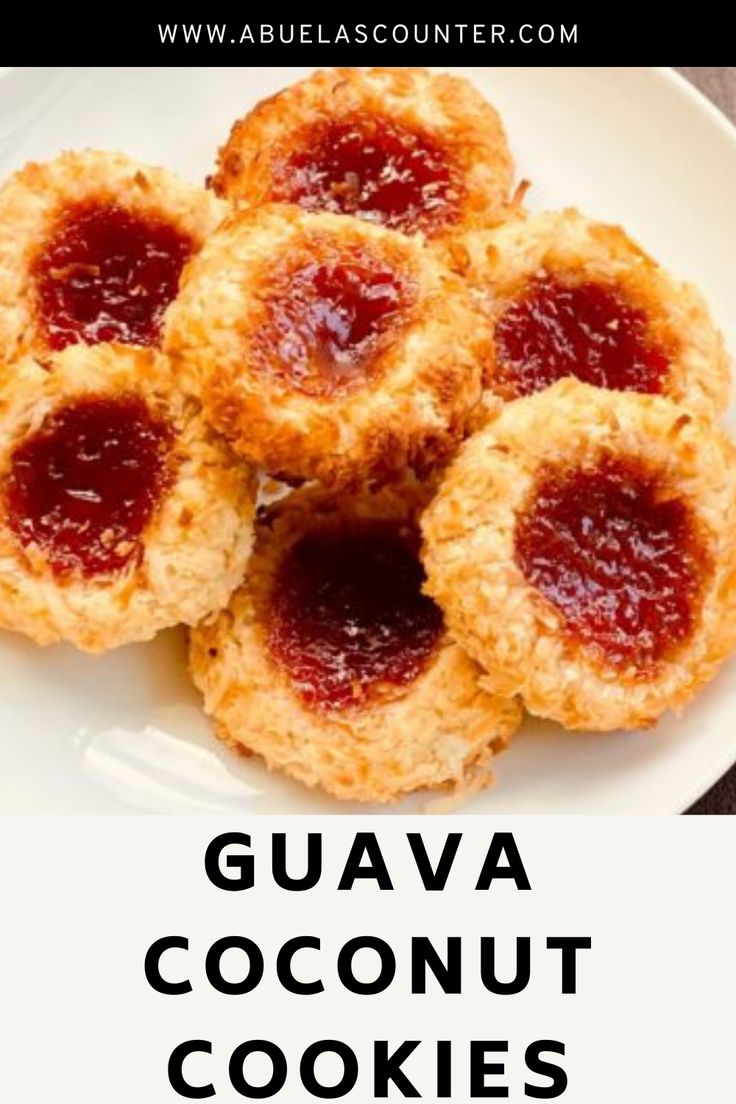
x=334, y=346
x=501, y=480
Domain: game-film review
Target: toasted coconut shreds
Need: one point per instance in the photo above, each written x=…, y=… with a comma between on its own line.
x=501, y=262
x=258, y=163
x=33, y=203
x=441, y=732
x=502, y=621
x=195, y=545
x=407, y=403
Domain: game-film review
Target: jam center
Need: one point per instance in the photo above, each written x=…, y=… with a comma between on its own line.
x=619, y=559
x=108, y=274
x=585, y=330
x=347, y=618
x=325, y=323
x=374, y=168
x=83, y=487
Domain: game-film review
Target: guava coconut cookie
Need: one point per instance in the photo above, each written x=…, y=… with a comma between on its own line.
x=324, y=347
x=332, y=664
x=415, y=151
x=121, y=512
x=571, y=297
x=583, y=549
x=91, y=248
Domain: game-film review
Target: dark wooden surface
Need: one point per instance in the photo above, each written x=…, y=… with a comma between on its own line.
x=717, y=81
x=719, y=84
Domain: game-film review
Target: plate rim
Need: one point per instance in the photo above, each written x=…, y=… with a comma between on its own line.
x=715, y=766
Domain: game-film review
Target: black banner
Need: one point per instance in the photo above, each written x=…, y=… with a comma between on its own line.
x=238, y=35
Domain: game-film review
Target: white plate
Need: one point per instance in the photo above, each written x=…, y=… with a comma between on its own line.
x=124, y=732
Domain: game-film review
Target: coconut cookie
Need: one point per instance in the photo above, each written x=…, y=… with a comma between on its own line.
x=567, y=296
x=411, y=150
x=91, y=249
x=324, y=347
x=121, y=513
x=332, y=664
x=583, y=549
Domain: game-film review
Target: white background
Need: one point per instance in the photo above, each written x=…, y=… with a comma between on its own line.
x=84, y=897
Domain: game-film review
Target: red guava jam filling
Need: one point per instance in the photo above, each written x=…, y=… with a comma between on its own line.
x=83, y=487
x=585, y=330
x=373, y=168
x=618, y=557
x=326, y=323
x=347, y=618
x=108, y=274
